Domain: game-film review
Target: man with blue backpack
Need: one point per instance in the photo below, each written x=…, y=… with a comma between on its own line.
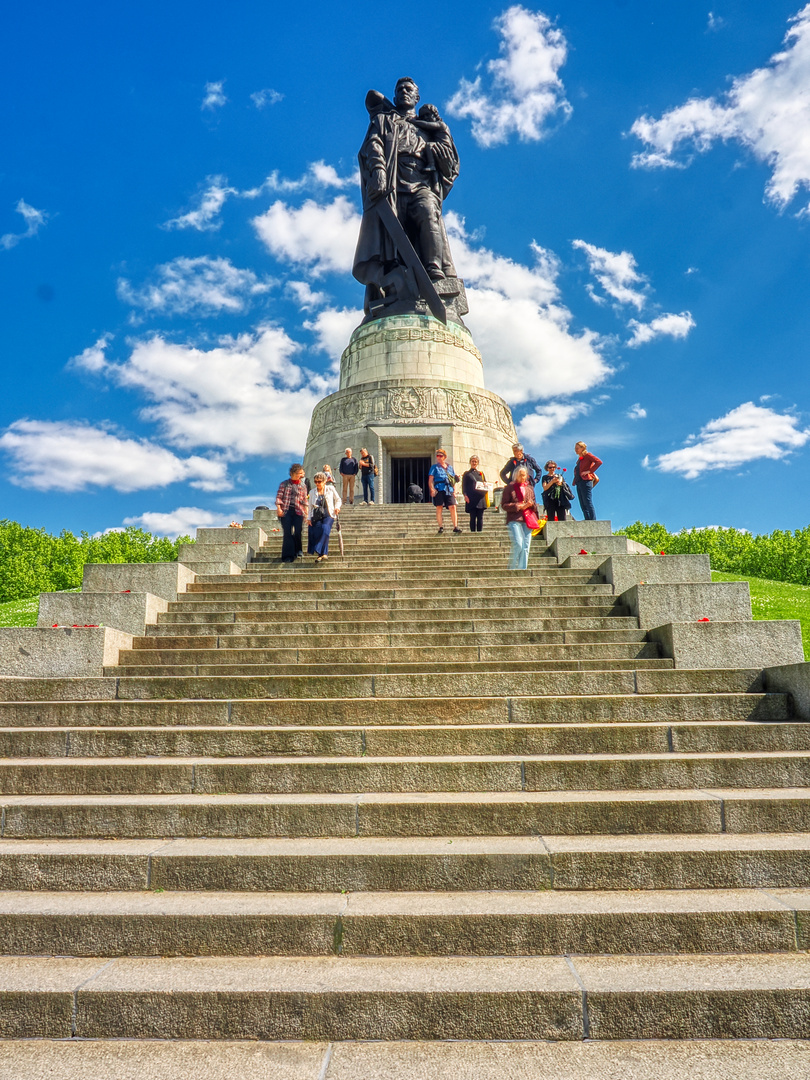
x=441, y=479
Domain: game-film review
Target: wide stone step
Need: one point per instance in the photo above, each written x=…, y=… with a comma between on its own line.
x=404, y=591
x=230, y=740
x=384, y=655
x=410, y=864
x=226, y=665
x=549, y=709
x=136, y=1059
x=285, y=609
x=473, y=685
x=512, y=618
x=405, y=814
x=163, y=638
x=448, y=773
x=335, y=577
x=347, y=997
x=403, y=924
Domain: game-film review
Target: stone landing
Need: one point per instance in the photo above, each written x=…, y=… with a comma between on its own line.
x=408, y=385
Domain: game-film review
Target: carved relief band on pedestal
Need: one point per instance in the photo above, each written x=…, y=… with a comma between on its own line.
x=410, y=404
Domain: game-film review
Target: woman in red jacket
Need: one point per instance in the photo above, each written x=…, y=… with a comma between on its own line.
x=585, y=478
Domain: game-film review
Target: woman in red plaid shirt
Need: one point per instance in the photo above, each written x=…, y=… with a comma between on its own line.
x=291, y=507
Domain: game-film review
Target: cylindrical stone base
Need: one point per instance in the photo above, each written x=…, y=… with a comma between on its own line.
x=408, y=386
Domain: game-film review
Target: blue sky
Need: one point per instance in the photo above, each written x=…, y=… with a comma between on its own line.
x=178, y=211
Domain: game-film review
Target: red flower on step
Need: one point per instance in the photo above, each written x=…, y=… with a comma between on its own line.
x=704, y=619
x=662, y=553
x=583, y=552
x=124, y=591
x=55, y=626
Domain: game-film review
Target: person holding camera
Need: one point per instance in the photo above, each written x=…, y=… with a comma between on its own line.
x=557, y=495
x=323, y=505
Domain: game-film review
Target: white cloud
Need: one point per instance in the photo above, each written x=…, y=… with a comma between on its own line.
x=205, y=286
x=525, y=91
x=93, y=358
x=317, y=176
x=184, y=521
x=767, y=110
x=214, y=95
x=321, y=237
x=747, y=433
x=333, y=327
x=244, y=396
x=216, y=191
x=34, y=220
x=521, y=328
x=715, y=21
x=616, y=272
x=262, y=98
x=305, y=296
x=72, y=456
x=670, y=325
x=635, y=412
x=546, y=419
x=211, y=201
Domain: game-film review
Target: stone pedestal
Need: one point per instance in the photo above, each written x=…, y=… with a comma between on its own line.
x=408, y=385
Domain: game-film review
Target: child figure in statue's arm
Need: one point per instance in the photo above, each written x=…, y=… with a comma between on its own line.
x=442, y=154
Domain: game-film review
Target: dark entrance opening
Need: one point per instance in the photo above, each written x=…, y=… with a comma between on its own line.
x=405, y=471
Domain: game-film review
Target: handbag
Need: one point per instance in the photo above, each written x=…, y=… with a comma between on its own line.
x=530, y=518
x=376, y=471
x=318, y=513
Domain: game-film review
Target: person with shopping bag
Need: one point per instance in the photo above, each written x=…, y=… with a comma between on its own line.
x=520, y=506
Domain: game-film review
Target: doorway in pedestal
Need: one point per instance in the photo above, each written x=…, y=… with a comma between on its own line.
x=405, y=471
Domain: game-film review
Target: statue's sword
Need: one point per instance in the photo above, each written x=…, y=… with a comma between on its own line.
x=411, y=259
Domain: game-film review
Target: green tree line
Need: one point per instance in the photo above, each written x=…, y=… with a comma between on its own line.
x=33, y=561
x=779, y=556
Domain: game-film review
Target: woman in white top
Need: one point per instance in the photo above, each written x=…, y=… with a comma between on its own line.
x=324, y=506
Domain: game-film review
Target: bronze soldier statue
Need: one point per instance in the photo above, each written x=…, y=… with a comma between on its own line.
x=408, y=164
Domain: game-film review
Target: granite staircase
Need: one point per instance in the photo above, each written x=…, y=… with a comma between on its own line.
x=398, y=798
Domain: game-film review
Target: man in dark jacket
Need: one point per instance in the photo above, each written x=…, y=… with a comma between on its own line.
x=523, y=461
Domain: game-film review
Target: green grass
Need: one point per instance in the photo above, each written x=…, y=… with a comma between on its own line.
x=776, y=600
x=23, y=612
x=19, y=612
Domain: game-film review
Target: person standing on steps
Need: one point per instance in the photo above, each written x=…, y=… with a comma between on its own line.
x=291, y=508
x=323, y=508
x=367, y=472
x=348, y=470
x=521, y=517
x=441, y=479
x=327, y=472
x=557, y=495
x=474, y=490
x=520, y=460
x=585, y=480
